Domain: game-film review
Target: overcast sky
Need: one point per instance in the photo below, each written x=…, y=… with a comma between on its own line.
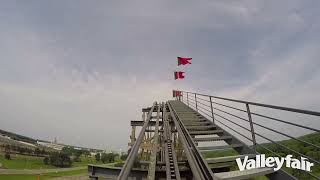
x=80, y=70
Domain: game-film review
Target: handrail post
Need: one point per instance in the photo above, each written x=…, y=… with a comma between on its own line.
x=251, y=127
x=181, y=96
x=195, y=99
x=187, y=98
x=212, y=114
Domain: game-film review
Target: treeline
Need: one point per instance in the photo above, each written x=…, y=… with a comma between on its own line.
x=58, y=159
x=65, y=157
x=106, y=157
x=23, y=150
x=75, y=153
x=18, y=137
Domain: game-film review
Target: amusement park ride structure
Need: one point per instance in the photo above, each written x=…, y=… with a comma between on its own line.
x=174, y=134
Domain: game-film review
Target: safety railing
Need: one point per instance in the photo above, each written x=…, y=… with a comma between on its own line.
x=245, y=119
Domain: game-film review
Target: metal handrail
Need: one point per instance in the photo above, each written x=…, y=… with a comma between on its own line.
x=222, y=105
x=230, y=107
x=263, y=105
x=294, y=124
x=268, y=117
x=226, y=125
x=204, y=104
x=264, y=116
x=318, y=147
x=204, y=100
x=201, y=109
x=260, y=136
x=294, y=151
x=198, y=100
x=227, y=120
x=234, y=130
x=310, y=144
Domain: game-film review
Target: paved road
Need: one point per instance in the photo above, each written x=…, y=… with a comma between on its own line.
x=37, y=171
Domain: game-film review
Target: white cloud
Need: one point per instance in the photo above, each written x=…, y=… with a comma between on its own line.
x=92, y=66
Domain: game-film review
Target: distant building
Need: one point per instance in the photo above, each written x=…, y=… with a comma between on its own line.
x=53, y=145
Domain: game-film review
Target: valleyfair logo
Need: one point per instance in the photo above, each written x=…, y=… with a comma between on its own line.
x=274, y=162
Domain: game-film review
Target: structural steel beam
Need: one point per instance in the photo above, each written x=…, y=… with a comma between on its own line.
x=168, y=139
x=153, y=157
x=125, y=171
x=140, y=123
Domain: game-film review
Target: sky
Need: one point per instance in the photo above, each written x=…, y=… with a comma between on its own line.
x=80, y=70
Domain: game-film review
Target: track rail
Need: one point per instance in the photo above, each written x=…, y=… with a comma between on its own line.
x=125, y=171
x=153, y=157
x=172, y=169
x=198, y=165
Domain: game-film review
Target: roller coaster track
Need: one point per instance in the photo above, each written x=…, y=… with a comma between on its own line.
x=168, y=145
x=199, y=167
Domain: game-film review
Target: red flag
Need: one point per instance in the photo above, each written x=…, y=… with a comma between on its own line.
x=177, y=93
x=183, y=61
x=178, y=75
x=174, y=93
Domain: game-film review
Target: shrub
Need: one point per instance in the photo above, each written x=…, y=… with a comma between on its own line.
x=108, y=158
x=7, y=156
x=46, y=160
x=97, y=156
x=124, y=157
x=60, y=159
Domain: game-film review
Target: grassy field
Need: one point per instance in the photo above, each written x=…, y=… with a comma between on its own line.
x=43, y=176
x=32, y=162
x=85, y=161
x=300, y=147
x=292, y=144
x=23, y=162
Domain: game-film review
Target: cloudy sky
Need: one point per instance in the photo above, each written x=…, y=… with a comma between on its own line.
x=80, y=70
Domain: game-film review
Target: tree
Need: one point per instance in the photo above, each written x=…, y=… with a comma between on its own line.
x=97, y=156
x=43, y=152
x=77, y=158
x=60, y=159
x=104, y=158
x=68, y=150
x=7, y=147
x=123, y=157
x=37, y=152
x=86, y=153
x=108, y=158
x=46, y=160
x=7, y=156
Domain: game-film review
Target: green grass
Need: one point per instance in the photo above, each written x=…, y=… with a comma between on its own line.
x=43, y=176
x=260, y=178
x=85, y=161
x=305, y=149
x=32, y=162
x=310, y=151
x=23, y=162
